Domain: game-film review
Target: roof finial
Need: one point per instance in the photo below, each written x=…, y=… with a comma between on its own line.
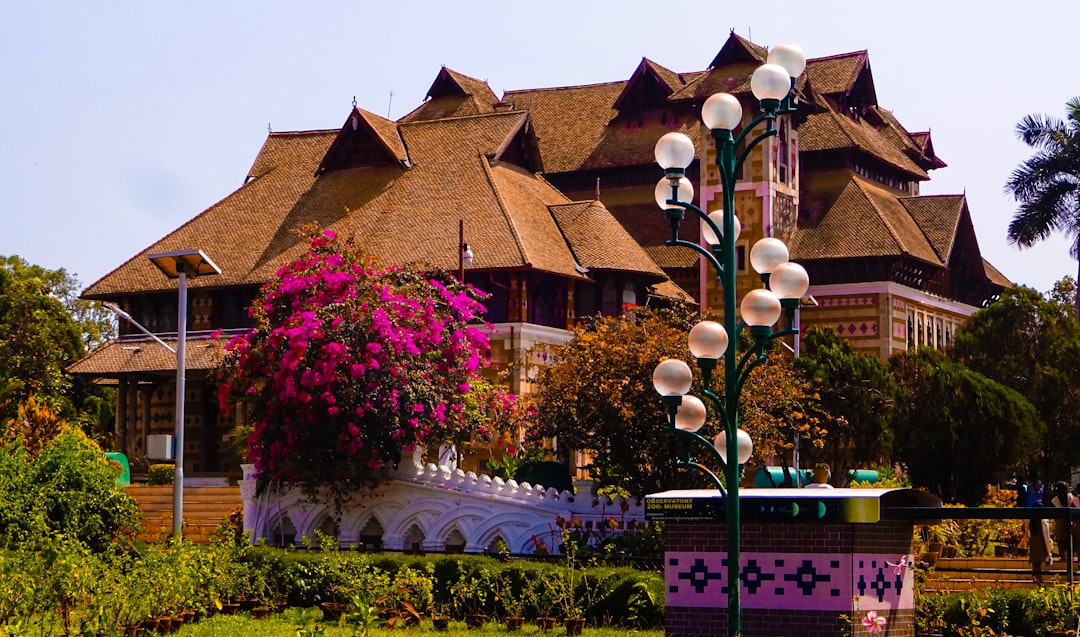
x=388, y=105
x=354, y=101
x=269, y=131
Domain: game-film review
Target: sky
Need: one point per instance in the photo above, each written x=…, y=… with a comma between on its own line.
x=121, y=120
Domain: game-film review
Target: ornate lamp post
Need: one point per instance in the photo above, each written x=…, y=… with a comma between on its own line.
x=785, y=283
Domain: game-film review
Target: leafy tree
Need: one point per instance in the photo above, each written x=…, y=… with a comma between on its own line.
x=1032, y=344
x=1047, y=185
x=859, y=392
x=349, y=364
x=957, y=430
x=44, y=328
x=596, y=395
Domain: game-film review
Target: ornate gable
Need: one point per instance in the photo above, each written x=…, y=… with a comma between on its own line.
x=650, y=85
x=738, y=49
x=365, y=140
x=454, y=95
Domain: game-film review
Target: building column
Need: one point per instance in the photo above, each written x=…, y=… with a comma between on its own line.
x=120, y=426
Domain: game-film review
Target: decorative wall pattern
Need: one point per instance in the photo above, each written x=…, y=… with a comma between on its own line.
x=792, y=581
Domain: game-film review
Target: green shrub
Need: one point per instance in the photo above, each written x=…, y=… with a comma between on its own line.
x=160, y=474
x=69, y=488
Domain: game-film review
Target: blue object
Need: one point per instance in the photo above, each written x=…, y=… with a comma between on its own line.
x=773, y=477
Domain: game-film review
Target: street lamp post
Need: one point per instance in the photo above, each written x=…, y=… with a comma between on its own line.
x=179, y=265
x=785, y=283
x=464, y=252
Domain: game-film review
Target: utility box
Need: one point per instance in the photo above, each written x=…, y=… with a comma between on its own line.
x=159, y=447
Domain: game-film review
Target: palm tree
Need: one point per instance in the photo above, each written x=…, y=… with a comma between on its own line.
x=1047, y=185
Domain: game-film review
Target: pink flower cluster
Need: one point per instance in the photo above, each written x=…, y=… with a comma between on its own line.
x=348, y=364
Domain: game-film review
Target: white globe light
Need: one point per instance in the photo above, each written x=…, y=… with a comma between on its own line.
x=770, y=82
x=789, y=281
x=708, y=339
x=717, y=217
x=674, y=150
x=722, y=110
x=760, y=307
x=743, y=444
x=767, y=254
x=789, y=56
x=672, y=377
x=691, y=414
x=663, y=192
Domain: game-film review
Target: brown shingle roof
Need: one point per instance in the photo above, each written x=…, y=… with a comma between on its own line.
x=599, y=241
x=938, y=217
x=145, y=355
x=237, y=231
x=829, y=130
x=454, y=95
x=673, y=256
x=569, y=122
x=836, y=73
x=400, y=215
x=866, y=220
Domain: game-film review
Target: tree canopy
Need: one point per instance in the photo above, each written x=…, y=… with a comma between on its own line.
x=44, y=327
x=957, y=430
x=1032, y=344
x=349, y=364
x=596, y=395
x=859, y=393
x=1047, y=185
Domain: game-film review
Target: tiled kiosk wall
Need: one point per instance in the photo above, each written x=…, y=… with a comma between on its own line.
x=798, y=578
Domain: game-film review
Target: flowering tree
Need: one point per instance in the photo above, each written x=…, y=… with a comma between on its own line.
x=349, y=364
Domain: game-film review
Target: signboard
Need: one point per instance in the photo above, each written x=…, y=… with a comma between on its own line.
x=804, y=507
x=659, y=509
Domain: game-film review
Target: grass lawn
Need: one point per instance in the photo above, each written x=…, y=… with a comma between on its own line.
x=288, y=624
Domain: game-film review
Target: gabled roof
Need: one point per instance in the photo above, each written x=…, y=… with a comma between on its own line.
x=738, y=49
x=939, y=217
x=365, y=139
x=454, y=95
x=649, y=83
x=829, y=131
x=236, y=231
x=865, y=220
x=569, y=122
x=598, y=241
x=837, y=74
x=405, y=216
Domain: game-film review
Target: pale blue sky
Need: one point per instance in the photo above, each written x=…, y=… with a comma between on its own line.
x=121, y=120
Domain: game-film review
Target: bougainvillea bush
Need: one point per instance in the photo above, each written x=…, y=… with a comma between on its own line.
x=350, y=364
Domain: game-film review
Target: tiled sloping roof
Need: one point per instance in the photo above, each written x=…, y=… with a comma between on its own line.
x=454, y=95
x=629, y=146
x=837, y=73
x=915, y=145
x=145, y=355
x=671, y=290
x=938, y=217
x=599, y=241
x=569, y=122
x=866, y=220
x=738, y=49
x=234, y=231
x=730, y=78
x=996, y=276
x=667, y=80
x=673, y=256
x=360, y=127
x=830, y=130
x=399, y=215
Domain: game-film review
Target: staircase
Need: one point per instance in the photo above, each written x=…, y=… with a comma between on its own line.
x=969, y=573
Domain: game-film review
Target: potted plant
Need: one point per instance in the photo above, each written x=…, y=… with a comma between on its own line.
x=542, y=594
x=440, y=616
x=513, y=605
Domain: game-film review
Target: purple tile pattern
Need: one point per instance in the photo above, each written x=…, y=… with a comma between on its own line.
x=792, y=581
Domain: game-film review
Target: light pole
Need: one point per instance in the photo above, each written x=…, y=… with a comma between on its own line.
x=179, y=265
x=464, y=252
x=785, y=283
